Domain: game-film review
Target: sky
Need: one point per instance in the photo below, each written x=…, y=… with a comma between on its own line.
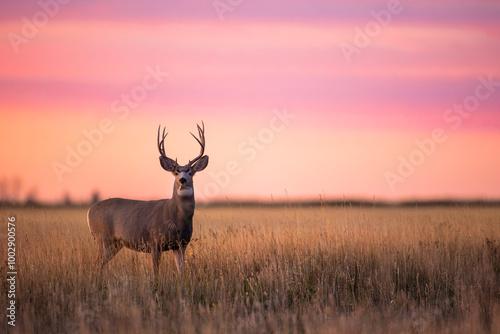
x=392, y=100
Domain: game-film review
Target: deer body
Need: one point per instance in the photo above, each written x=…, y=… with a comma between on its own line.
x=150, y=226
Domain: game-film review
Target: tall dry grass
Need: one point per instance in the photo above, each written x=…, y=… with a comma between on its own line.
x=304, y=270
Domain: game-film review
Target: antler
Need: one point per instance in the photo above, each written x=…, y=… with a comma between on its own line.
x=201, y=141
x=161, y=144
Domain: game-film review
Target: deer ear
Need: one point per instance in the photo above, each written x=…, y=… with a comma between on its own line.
x=200, y=164
x=168, y=164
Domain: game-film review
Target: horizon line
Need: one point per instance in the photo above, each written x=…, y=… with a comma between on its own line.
x=248, y=203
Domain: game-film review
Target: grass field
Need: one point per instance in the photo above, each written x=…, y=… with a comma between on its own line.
x=256, y=270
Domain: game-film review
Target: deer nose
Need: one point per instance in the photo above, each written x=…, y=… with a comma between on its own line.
x=182, y=180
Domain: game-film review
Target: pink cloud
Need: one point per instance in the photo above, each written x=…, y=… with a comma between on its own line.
x=362, y=115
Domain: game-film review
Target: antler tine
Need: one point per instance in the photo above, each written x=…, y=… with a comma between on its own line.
x=201, y=133
x=161, y=143
x=201, y=141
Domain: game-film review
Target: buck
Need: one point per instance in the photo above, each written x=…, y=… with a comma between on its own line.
x=151, y=226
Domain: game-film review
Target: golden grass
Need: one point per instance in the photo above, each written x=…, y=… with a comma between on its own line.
x=304, y=270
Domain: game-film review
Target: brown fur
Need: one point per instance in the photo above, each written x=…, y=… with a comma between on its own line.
x=150, y=226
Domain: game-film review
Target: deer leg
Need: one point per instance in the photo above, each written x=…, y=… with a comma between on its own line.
x=108, y=251
x=179, y=259
x=156, y=255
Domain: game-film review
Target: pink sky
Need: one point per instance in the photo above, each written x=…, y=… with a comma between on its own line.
x=99, y=78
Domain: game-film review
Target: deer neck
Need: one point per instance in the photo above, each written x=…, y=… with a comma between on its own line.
x=182, y=204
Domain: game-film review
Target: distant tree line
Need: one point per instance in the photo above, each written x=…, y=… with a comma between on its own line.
x=11, y=194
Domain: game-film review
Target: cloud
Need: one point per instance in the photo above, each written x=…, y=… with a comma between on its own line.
x=463, y=11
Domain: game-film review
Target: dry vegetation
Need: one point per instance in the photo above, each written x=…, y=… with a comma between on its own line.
x=304, y=270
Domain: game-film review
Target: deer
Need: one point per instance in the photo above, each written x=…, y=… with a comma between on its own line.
x=151, y=226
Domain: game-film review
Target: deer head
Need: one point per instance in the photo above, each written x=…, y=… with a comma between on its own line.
x=183, y=174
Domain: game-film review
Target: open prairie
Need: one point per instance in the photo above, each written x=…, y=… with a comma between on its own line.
x=254, y=270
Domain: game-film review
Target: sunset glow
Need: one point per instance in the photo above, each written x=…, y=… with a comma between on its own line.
x=410, y=110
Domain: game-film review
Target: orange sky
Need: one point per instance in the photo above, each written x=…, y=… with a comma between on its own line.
x=287, y=112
